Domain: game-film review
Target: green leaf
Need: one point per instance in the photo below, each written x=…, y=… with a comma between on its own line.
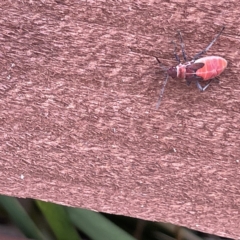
x=58, y=220
x=20, y=217
x=96, y=226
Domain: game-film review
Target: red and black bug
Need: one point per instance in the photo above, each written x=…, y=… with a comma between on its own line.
x=198, y=70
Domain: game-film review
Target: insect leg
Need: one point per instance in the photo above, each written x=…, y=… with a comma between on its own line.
x=209, y=46
x=202, y=89
x=183, y=47
x=175, y=54
x=199, y=86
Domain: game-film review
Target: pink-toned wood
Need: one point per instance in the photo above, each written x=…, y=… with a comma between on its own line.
x=213, y=67
x=78, y=90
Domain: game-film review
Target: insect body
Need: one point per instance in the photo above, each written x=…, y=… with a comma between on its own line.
x=197, y=70
x=203, y=69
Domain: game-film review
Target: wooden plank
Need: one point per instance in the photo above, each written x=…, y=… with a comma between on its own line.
x=79, y=86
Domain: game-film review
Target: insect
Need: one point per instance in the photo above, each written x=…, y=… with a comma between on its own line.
x=198, y=70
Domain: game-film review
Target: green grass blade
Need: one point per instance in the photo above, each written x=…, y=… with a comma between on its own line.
x=96, y=226
x=20, y=217
x=58, y=220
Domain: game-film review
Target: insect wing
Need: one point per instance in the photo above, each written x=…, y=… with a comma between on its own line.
x=195, y=66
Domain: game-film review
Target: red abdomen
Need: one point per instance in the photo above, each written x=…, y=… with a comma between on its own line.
x=213, y=67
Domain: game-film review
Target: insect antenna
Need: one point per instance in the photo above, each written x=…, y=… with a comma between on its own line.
x=164, y=68
x=164, y=84
x=161, y=93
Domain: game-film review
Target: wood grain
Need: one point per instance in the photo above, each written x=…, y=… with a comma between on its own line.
x=78, y=90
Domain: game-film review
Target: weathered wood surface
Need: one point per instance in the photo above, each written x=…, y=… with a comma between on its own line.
x=79, y=86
